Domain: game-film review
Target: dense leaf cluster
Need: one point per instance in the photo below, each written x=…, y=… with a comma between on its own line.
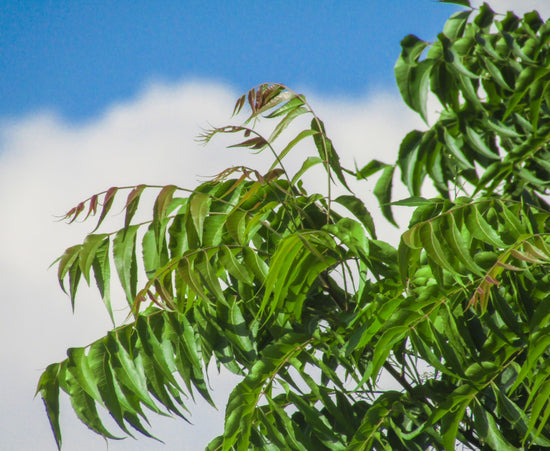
x=493, y=87
x=294, y=292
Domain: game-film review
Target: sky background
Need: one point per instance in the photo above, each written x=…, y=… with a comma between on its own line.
x=104, y=93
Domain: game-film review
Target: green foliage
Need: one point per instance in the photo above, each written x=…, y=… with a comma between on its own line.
x=294, y=292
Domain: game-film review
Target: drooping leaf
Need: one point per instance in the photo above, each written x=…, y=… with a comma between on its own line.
x=327, y=152
x=102, y=273
x=124, y=253
x=132, y=204
x=66, y=261
x=88, y=252
x=354, y=205
x=49, y=390
x=107, y=204
x=413, y=79
x=383, y=192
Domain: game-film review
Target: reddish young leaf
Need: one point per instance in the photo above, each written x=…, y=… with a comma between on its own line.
x=92, y=209
x=256, y=143
x=75, y=212
x=239, y=105
x=107, y=204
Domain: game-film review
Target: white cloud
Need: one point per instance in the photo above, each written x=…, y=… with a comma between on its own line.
x=48, y=165
x=519, y=7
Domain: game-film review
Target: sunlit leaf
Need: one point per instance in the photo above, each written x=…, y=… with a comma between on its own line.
x=124, y=252
x=383, y=192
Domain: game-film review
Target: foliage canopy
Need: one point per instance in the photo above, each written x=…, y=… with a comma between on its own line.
x=294, y=292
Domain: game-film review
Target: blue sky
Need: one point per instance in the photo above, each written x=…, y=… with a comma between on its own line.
x=76, y=57
x=114, y=93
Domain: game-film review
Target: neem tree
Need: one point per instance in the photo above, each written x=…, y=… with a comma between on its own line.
x=294, y=292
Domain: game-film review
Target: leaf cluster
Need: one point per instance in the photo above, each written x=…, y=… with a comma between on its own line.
x=490, y=136
x=294, y=292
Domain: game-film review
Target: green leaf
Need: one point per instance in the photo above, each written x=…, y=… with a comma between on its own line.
x=537, y=92
x=252, y=260
x=375, y=417
x=495, y=73
x=151, y=254
x=484, y=40
x=66, y=261
x=159, y=351
x=295, y=264
x=540, y=401
x=539, y=342
x=244, y=398
x=198, y=208
x=454, y=147
x=303, y=134
x=457, y=2
x=118, y=345
x=88, y=251
x=481, y=229
x=78, y=366
x=411, y=48
x=103, y=381
x=308, y=163
x=467, y=88
x=450, y=424
x=382, y=191
x=237, y=332
x=528, y=76
x=479, y=145
x=414, y=201
x=74, y=280
x=326, y=151
x=291, y=104
x=235, y=267
x=236, y=225
x=190, y=349
x=414, y=81
x=132, y=204
x=285, y=122
x=208, y=275
x=454, y=27
x=372, y=167
x=410, y=163
x=515, y=48
x=500, y=128
x=485, y=17
x=48, y=388
x=455, y=239
x=289, y=426
x=124, y=253
x=86, y=410
x=160, y=208
x=451, y=412
x=102, y=274
x=452, y=58
x=433, y=247
x=355, y=206
x=388, y=339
